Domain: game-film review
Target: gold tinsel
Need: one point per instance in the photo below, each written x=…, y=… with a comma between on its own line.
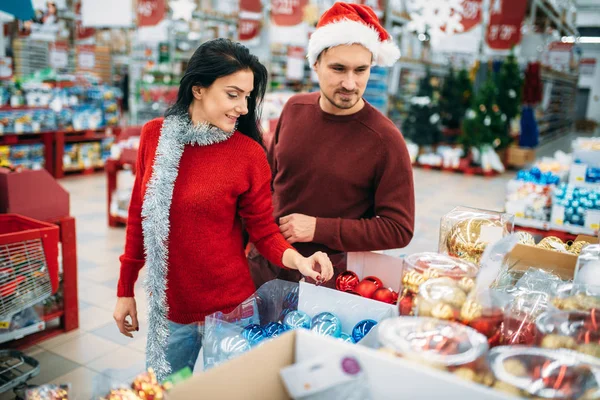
x=526, y=238
x=577, y=246
x=464, y=239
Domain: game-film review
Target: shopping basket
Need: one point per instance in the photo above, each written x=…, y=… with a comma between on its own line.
x=28, y=263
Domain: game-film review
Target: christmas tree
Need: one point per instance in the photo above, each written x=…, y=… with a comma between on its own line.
x=484, y=122
x=451, y=107
x=465, y=88
x=422, y=124
x=510, y=87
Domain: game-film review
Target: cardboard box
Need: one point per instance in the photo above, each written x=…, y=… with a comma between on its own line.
x=386, y=268
x=519, y=157
x=523, y=257
x=255, y=375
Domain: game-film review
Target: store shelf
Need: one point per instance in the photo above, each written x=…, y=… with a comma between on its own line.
x=547, y=226
x=23, y=332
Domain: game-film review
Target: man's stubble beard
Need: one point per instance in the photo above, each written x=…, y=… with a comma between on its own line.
x=341, y=106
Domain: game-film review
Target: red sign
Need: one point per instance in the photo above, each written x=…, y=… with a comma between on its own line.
x=150, y=12
x=504, y=29
x=471, y=14
x=287, y=12
x=251, y=6
x=248, y=28
x=82, y=32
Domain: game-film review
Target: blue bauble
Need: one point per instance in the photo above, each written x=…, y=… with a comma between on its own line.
x=535, y=172
x=274, y=329
x=346, y=338
x=296, y=319
x=254, y=334
x=325, y=316
x=597, y=204
x=593, y=196
x=576, y=219
x=569, y=211
x=232, y=346
x=581, y=211
x=575, y=203
x=362, y=328
x=291, y=299
x=327, y=328
x=283, y=314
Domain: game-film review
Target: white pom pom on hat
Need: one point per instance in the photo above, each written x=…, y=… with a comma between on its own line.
x=346, y=24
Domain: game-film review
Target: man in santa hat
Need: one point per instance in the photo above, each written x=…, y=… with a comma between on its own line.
x=342, y=176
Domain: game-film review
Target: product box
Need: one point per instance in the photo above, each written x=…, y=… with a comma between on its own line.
x=256, y=374
x=591, y=218
x=523, y=257
x=520, y=157
x=386, y=268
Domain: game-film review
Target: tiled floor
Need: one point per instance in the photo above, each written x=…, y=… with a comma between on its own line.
x=97, y=355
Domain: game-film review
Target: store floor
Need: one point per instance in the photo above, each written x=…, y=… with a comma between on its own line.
x=96, y=355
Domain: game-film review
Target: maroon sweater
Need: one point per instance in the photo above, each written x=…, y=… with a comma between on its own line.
x=351, y=172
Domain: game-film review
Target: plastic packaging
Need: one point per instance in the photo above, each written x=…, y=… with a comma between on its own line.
x=484, y=312
x=421, y=267
x=551, y=374
x=520, y=316
x=574, y=330
x=587, y=270
x=440, y=298
x=278, y=306
x=48, y=392
x=432, y=341
x=577, y=297
x=466, y=232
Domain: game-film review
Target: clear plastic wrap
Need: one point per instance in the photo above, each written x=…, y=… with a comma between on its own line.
x=421, y=267
x=48, y=392
x=466, y=232
x=440, y=298
x=279, y=306
x=574, y=330
x=587, y=270
x=431, y=341
x=577, y=297
x=551, y=374
x=520, y=316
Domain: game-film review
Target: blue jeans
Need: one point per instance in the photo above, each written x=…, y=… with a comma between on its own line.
x=183, y=347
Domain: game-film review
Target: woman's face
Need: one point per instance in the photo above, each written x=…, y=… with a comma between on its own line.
x=224, y=101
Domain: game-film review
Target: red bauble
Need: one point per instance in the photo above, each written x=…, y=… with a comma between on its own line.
x=405, y=304
x=366, y=288
x=375, y=280
x=386, y=295
x=347, y=280
x=490, y=325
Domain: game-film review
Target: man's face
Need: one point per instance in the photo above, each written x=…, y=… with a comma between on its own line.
x=343, y=74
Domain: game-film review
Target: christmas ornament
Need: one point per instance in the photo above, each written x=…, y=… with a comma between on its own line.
x=525, y=238
x=558, y=342
x=440, y=298
x=326, y=316
x=375, y=280
x=431, y=341
x=366, y=288
x=347, y=280
x=296, y=319
x=346, y=338
x=254, y=334
x=274, y=329
x=327, y=328
x=465, y=240
x=385, y=295
x=284, y=313
x=552, y=243
x=291, y=299
x=232, y=346
x=577, y=246
x=147, y=387
x=591, y=349
x=361, y=329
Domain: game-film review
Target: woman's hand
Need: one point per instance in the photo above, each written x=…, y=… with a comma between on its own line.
x=318, y=266
x=126, y=307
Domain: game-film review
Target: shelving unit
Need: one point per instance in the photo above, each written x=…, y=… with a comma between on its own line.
x=556, y=114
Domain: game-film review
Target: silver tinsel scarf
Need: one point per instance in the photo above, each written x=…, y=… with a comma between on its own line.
x=177, y=132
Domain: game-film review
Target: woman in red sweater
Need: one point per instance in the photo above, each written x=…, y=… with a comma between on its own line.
x=200, y=171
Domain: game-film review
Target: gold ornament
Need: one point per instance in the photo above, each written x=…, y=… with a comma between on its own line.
x=431, y=273
x=471, y=310
x=591, y=349
x=515, y=367
x=507, y=388
x=552, y=243
x=412, y=280
x=526, y=238
x=558, y=342
x=495, y=108
x=486, y=378
x=482, y=108
x=442, y=311
x=587, y=302
x=466, y=284
x=455, y=297
x=466, y=373
x=577, y=246
x=464, y=239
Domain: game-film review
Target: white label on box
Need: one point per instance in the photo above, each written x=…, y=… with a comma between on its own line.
x=59, y=58
x=558, y=215
x=87, y=60
x=577, y=174
x=314, y=376
x=592, y=219
x=490, y=234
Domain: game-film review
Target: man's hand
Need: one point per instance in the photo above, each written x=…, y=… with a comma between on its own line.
x=298, y=228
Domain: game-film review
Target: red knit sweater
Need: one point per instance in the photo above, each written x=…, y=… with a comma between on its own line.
x=216, y=185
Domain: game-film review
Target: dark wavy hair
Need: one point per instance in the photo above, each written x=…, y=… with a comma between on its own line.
x=218, y=58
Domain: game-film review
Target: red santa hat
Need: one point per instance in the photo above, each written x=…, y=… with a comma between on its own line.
x=347, y=24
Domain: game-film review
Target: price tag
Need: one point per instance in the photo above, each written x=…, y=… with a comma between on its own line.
x=87, y=60
x=4, y=324
x=59, y=59
x=577, y=173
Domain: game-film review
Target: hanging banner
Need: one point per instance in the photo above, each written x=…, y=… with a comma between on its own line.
x=150, y=12
x=253, y=6
x=559, y=55
x=471, y=14
x=59, y=55
x=82, y=32
x=504, y=29
x=249, y=29
x=287, y=12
